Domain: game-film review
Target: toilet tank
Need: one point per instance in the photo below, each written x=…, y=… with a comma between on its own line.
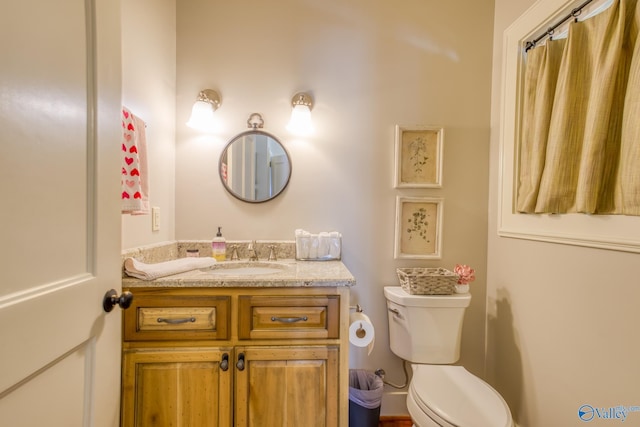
x=425, y=328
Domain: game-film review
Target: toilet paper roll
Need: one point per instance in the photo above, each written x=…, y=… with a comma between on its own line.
x=361, y=332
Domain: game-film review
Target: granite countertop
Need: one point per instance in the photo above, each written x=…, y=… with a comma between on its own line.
x=286, y=273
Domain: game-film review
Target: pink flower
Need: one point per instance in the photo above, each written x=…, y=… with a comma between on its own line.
x=465, y=274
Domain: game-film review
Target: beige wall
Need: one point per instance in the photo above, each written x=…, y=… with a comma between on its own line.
x=562, y=320
x=369, y=65
x=148, y=90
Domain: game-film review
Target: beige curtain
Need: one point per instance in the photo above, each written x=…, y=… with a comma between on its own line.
x=580, y=123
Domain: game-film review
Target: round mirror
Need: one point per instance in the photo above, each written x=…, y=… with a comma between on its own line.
x=254, y=166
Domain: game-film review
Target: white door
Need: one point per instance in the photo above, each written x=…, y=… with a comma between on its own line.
x=59, y=219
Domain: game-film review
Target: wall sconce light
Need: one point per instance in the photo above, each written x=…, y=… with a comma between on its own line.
x=300, y=122
x=202, y=117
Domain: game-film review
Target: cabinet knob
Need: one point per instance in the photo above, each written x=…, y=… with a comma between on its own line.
x=111, y=299
x=240, y=364
x=224, y=363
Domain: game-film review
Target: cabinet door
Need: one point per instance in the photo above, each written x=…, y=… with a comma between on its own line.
x=287, y=387
x=177, y=387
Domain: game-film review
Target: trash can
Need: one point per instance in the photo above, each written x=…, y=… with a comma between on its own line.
x=365, y=397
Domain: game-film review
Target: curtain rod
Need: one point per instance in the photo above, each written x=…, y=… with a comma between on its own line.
x=574, y=14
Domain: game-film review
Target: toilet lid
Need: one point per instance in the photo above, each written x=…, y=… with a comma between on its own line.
x=458, y=397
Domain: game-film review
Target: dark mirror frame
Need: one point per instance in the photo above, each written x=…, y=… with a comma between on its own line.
x=223, y=158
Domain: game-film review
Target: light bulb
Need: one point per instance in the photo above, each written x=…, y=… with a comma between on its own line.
x=300, y=122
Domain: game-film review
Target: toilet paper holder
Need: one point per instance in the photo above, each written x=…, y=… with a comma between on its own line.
x=362, y=331
x=356, y=307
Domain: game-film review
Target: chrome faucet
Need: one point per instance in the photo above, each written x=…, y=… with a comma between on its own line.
x=234, y=252
x=253, y=251
x=272, y=253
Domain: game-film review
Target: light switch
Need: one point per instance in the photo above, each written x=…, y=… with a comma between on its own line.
x=155, y=218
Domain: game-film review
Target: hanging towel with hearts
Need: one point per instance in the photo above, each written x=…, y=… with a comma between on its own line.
x=135, y=177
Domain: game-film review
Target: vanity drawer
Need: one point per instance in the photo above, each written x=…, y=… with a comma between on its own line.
x=288, y=317
x=152, y=318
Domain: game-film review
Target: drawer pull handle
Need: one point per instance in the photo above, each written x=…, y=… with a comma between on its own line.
x=289, y=319
x=224, y=363
x=240, y=364
x=176, y=321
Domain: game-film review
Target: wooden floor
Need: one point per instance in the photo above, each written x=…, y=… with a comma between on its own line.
x=387, y=421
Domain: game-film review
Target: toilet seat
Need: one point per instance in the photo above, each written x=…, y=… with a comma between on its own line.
x=452, y=396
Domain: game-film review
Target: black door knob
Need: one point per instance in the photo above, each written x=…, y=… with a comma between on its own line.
x=111, y=298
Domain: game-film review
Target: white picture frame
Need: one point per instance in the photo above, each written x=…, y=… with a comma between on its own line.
x=418, y=230
x=418, y=155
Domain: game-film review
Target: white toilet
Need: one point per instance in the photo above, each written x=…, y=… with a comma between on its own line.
x=425, y=330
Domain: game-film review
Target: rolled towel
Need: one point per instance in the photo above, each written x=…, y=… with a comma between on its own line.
x=302, y=233
x=323, y=244
x=140, y=270
x=313, y=248
x=303, y=244
x=336, y=245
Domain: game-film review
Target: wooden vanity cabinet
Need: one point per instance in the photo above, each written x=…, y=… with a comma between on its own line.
x=177, y=387
x=176, y=360
x=244, y=357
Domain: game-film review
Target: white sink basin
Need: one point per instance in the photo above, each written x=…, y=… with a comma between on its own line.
x=246, y=268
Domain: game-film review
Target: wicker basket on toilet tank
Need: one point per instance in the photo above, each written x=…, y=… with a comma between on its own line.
x=427, y=281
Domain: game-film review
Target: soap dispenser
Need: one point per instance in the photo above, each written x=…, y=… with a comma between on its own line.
x=219, y=246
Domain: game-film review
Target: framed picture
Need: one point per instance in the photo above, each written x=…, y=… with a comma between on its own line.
x=418, y=157
x=418, y=228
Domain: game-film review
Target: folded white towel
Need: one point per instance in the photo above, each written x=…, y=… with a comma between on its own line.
x=143, y=271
